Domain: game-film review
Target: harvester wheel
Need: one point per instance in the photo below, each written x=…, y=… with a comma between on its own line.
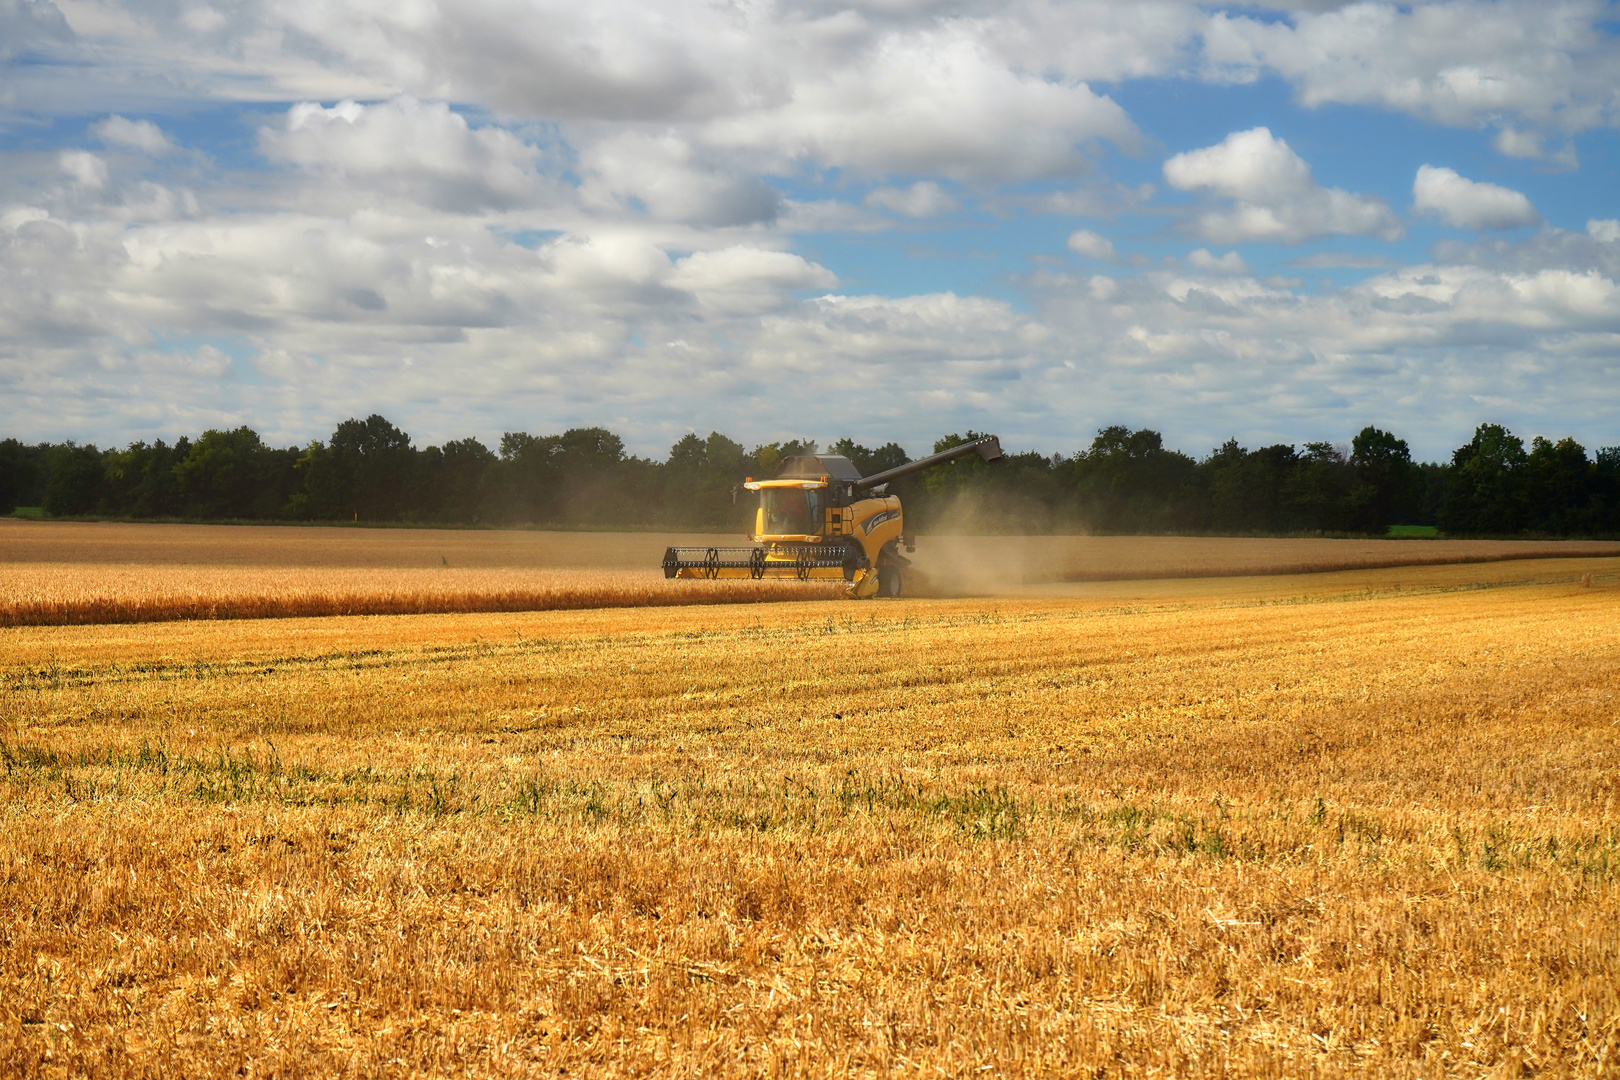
x=888, y=581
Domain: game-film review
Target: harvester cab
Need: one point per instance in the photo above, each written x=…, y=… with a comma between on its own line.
x=819, y=519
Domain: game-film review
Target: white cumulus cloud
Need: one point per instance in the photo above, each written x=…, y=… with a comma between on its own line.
x=746, y=278
x=1531, y=145
x=747, y=266
x=1469, y=204
x=932, y=103
x=1275, y=196
x=915, y=91
x=86, y=169
x=923, y=199
x=1549, y=62
x=1086, y=243
x=407, y=147
x=542, y=213
x=28, y=26
x=1230, y=263
x=1511, y=142
x=672, y=179
x=141, y=135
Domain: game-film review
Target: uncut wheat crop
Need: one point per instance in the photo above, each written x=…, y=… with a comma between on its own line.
x=76, y=573
x=1352, y=824
x=68, y=573
x=57, y=594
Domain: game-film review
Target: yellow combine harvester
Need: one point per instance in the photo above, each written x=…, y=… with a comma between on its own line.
x=820, y=520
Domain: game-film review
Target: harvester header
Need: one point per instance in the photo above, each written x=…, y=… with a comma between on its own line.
x=819, y=519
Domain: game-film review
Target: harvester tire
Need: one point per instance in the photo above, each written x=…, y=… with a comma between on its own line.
x=889, y=581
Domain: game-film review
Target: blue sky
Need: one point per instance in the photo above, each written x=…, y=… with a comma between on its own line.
x=887, y=221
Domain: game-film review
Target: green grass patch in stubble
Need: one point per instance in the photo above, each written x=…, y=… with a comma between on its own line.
x=696, y=803
x=854, y=802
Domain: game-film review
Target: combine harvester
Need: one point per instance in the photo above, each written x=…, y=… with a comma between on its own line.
x=820, y=520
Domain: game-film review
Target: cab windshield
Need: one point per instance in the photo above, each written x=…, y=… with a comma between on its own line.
x=790, y=511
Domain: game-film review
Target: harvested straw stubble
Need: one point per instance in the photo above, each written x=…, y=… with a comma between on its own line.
x=77, y=594
x=1248, y=829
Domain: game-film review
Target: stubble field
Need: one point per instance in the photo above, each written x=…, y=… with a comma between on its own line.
x=1353, y=823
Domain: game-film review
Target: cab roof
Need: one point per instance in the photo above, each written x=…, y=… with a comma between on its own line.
x=815, y=466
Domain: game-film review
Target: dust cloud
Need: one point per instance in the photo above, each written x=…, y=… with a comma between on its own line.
x=962, y=566
x=948, y=566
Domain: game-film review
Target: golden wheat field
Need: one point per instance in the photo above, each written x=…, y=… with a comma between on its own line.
x=1362, y=823
x=75, y=573
x=68, y=573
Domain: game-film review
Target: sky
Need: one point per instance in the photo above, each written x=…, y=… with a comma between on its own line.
x=886, y=220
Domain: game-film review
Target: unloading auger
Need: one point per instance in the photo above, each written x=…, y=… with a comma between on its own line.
x=820, y=520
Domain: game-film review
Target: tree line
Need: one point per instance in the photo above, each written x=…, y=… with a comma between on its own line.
x=1125, y=482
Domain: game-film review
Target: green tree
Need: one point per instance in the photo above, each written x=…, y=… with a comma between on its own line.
x=526, y=481
x=1558, y=481
x=141, y=479
x=229, y=474
x=1021, y=492
x=698, y=481
x=1126, y=481
x=1253, y=491
x=870, y=462
x=1433, y=482
x=767, y=459
x=582, y=476
x=366, y=472
x=1604, y=488
x=78, y=477
x=454, y=479
x=322, y=492
x=955, y=477
x=19, y=475
x=1319, y=490
x=1386, y=485
x=377, y=460
x=601, y=483
x=1487, y=491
